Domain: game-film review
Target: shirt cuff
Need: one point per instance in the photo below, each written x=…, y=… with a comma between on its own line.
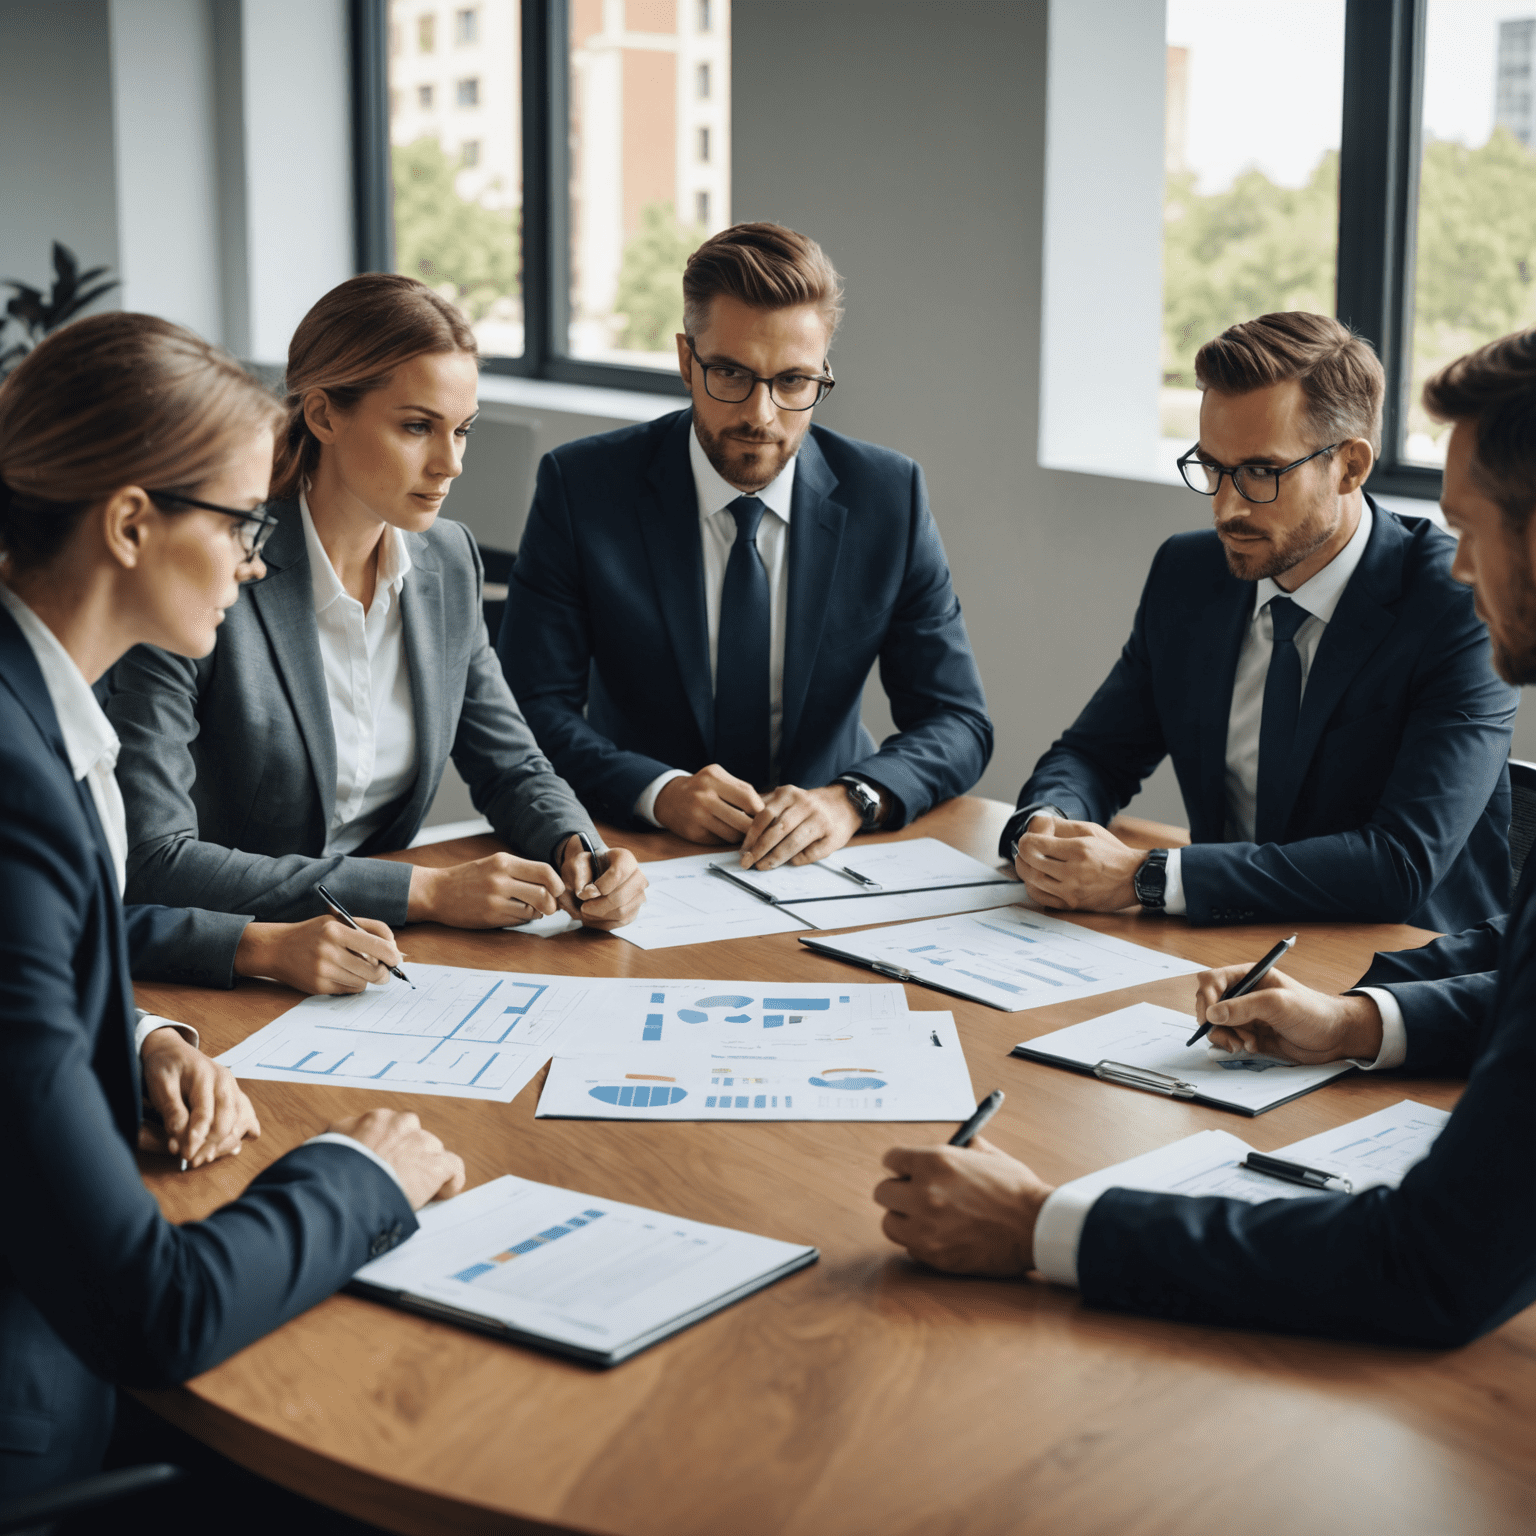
x=340, y=1139
x=645, y=806
x=1394, y=1033
x=1059, y=1227
x=150, y=1022
x=1173, y=887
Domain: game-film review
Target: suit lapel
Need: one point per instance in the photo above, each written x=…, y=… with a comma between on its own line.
x=1227, y=615
x=285, y=605
x=668, y=510
x=815, y=537
x=422, y=621
x=1359, y=624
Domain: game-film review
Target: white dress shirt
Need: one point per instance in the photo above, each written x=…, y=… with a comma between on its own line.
x=368, y=683
x=1319, y=595
x=717, y=532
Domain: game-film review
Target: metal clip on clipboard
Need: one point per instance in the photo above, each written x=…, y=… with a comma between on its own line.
x=1143, y=1077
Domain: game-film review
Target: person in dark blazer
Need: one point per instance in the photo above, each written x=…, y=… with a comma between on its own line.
x=698, y=601
x=1449, y=1254
x=316, y=734
x=1318, y=678
x=96, y=1287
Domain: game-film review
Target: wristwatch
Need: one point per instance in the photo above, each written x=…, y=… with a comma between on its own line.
x=866, y=801
x=1151, y=880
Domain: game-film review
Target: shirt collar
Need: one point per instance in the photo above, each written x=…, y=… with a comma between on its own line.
x=88, y=735
x=716, y=493
x=394, y=563
x=1320, y=594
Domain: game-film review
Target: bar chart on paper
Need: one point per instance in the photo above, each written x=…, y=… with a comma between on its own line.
x=464, y=1033
x=1010, y=957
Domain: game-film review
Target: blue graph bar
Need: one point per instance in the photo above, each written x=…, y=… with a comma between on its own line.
x=478, y=1075
x=760, y=1102
x=709, y=1103
x=537, y=988
x=773, y=1021
x=798, y=1004
x=474, y=1272
x=1007, y=986
x=652, y=1029
x=658, y=997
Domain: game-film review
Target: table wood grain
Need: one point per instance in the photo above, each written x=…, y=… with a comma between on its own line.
x=865, y=1394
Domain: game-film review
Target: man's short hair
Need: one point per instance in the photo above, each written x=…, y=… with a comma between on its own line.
x=764, y=265
x=1495, y=389
x=1338, y=371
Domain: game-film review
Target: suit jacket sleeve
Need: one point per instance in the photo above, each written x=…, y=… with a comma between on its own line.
x=183, y=944
x=545, y=649
x=142, y=1302
x=510, y=781
x=1452, y=753
x=943, y=738
x=154, y=707
x=1438, y=1261
x=1098, y=765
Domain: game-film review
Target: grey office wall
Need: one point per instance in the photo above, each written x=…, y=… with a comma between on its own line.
x=57, y=179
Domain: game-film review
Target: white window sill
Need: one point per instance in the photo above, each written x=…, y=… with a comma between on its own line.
x=576, y=399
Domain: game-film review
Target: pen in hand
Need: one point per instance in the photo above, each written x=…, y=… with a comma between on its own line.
x=340, y=911
x=988, y=1107
x=599, y=864
x=1246, y=984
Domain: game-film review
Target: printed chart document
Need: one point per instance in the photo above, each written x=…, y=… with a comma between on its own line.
x=726, y=1015
x=912, y=1079
x=460, y=1033
x=1011, y=958
x=1143, y=1047
x=582, y=1276
x=879, y=883
x=688, y=904
x=1376, y=1150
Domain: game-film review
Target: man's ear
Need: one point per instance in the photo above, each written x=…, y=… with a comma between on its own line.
x=1355, y=460
x=685, y=361
x=124, y=521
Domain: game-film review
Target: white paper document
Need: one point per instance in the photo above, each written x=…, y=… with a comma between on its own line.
x=1149, y=1042
x=1011, y=958
x=1376, y=1150
x=458, y=1033
x=922, y=1078
x=585, y=1276
x=686, y=904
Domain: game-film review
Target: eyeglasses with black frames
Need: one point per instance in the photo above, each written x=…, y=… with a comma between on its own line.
x=730, y=384
x=253, y=526
x=1258, y=483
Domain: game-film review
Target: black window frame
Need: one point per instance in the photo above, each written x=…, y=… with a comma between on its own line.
x=545, y=244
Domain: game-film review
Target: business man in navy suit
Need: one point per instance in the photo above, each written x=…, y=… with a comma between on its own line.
x=698, y=601
x=1451, y=1253
x=1317, y=676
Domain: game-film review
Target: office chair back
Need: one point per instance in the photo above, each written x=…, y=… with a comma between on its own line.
x=498, y=572
x=1522, y=817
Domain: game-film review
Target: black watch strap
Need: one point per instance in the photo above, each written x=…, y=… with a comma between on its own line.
x=865, y=798
x=1151, y=881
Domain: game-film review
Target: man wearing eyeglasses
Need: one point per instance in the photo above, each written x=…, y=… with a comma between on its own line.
x=1321, y=683
x=698, y=601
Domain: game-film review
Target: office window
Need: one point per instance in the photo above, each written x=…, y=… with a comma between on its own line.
x=394, y=104
x=457, y=203
x=1251, y=203
x=701, y=83
x=426, y=33
x=466, y=27
x=394, y=38
x=1475, y=257
x=632, y=133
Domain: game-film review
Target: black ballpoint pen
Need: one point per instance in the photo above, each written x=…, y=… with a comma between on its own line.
x=599, y=860
x=1296, y=1173
x=988, y=1107
x=351, y=922
x=1246, y=985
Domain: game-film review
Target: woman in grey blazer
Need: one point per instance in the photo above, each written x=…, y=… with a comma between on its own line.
x=317, y=731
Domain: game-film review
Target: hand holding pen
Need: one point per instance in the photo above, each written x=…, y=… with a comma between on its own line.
x=1244, y=984
x=341, y=913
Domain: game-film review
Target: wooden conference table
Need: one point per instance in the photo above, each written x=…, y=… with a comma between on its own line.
x=863, y=1395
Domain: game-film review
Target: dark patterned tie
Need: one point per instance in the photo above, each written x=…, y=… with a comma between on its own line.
x=741, y=658
x=1282, y=706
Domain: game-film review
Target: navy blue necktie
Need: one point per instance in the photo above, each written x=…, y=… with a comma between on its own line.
x=741, y=656
x=1282, y=706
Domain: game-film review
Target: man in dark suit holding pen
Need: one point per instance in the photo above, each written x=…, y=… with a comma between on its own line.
x=698, y=601
x=1451, y=1253
x=1318, y=678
